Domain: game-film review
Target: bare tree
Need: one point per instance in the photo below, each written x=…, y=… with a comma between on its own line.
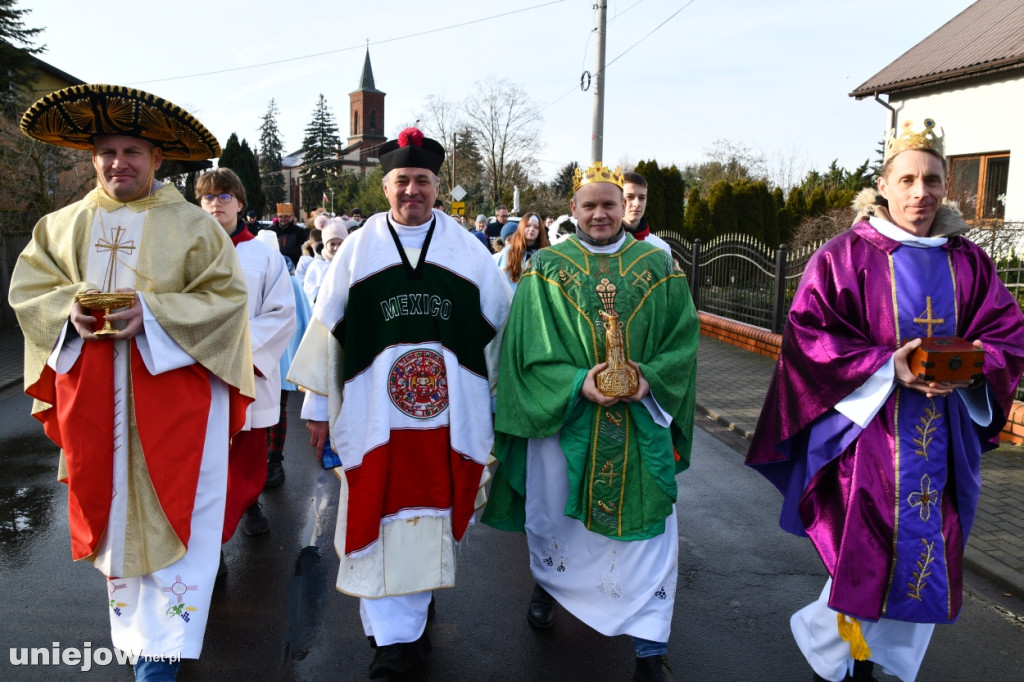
x=786, y=167
x=505, y=125
x=38, y=178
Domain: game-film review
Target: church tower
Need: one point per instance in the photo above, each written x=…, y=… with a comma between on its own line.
x=366, y=114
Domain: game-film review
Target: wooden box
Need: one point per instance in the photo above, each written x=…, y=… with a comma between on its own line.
x=947, y=358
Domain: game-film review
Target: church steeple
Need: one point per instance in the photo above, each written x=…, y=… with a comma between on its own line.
x=366, y=113
x=366, y=82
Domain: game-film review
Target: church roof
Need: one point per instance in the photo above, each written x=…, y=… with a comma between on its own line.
x=986, y=38
x=366, y=81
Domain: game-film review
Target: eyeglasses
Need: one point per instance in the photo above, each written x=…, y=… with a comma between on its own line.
x=224, y=198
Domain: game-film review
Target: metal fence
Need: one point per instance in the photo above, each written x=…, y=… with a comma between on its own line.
x=740, y=278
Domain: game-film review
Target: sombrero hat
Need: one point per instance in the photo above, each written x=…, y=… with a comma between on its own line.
x=72, y=117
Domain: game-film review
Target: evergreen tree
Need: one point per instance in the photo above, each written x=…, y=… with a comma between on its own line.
x=271, y=150
x=674, y=195
x=697, y=219
x=320, y=152
x=229, y=153
x=240, y=159
x=796, y=204
x=746, y=203
x=723, y=210
x=17, y=70
x=816, y=203
x=562, y=184
x=656, y=213
x=769, y=214
x=250, y=169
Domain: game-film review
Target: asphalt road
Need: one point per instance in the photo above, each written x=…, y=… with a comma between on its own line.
x=277, y=616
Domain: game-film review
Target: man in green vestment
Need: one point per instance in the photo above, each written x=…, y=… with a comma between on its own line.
x=591, y=477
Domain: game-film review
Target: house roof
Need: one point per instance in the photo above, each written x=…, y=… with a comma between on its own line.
x=985, y=38
x=54, y=71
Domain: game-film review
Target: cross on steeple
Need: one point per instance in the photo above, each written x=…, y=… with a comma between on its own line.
x=110, y=279
x=928, y=320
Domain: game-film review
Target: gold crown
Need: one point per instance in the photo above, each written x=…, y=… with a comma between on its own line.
x=596, y=172
x=906, y=139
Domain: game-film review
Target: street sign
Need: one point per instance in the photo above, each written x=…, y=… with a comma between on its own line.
x=459, y=208
x=458, y=194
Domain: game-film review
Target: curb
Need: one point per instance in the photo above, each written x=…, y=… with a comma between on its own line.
x=725, y=420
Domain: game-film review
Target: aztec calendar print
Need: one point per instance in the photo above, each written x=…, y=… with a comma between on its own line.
x=418, y=384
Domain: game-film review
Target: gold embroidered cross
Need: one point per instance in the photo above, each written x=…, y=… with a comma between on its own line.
x=926, y=499
x=609, y=474
x=642, y=278
x=928, y=320
x=110, y=280
x=569, y=277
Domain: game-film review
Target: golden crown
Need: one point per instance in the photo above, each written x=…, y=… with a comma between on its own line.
x=596, y=172
x=906, y=139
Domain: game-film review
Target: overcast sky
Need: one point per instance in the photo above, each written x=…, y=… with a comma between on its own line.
x=772, y=75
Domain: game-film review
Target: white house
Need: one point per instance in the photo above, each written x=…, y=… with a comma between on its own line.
x=969, y=77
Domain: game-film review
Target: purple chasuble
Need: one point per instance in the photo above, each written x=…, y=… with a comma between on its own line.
x=888, y=507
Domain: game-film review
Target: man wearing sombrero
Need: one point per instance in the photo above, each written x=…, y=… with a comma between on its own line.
x=143, y=415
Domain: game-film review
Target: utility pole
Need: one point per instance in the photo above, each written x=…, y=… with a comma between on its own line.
x=597, y=136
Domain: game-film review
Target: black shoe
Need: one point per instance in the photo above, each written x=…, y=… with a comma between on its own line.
x=255, y=523
x=541, y=613
x=653, y=669
x=395, y=660
x=275, y=474
x=863, y=671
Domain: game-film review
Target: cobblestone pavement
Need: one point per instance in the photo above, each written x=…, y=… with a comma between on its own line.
x=731, y=385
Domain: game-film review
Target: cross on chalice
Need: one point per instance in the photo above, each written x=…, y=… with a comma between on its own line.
x=110, y=299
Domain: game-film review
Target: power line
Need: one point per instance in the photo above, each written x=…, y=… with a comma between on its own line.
x=365, y=45
x=621, y=54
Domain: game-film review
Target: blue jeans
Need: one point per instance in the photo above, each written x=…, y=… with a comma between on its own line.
x=148, y=670
x=646, y=648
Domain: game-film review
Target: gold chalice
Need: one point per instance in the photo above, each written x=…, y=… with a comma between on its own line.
x=106, y=301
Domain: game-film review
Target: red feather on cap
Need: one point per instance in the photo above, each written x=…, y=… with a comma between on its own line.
x=413, y=136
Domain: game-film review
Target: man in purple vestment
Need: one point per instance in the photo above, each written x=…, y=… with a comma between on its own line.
x=880, y=469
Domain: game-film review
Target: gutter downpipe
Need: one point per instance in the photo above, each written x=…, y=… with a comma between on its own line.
x=892, y=111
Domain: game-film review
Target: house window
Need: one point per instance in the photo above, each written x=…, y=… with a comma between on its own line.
x=978, y=184
x=355, y=122
x=373, y=122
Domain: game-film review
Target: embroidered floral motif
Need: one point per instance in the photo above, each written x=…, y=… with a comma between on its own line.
x=554, y=556
x=115, y=605
x=609, y=585
x=604, y=265
x=926, y=428
x=925, y=499
x=179, y=589
x=924, y=563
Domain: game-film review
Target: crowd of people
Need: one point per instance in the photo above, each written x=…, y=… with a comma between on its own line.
x=163, y=340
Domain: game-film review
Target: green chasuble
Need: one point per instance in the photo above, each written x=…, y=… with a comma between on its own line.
x=621, y=464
